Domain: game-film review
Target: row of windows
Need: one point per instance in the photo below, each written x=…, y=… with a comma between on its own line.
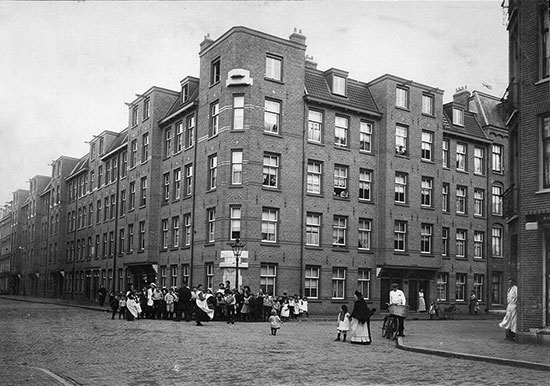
x=273, y=69
x=402, y=100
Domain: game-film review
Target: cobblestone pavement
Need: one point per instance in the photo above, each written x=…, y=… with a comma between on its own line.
x=86, y=347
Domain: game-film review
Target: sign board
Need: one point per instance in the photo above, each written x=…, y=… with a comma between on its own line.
x=228, y=259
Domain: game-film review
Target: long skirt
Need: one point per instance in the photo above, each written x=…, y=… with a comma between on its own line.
x=510, y=320
x=421, y=305
x=359, y=332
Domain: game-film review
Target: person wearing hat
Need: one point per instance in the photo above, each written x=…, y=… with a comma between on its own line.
x=398, y=297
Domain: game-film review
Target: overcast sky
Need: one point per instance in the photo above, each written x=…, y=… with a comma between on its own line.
x=67, y=68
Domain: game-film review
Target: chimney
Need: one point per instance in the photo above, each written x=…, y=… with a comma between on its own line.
x=461, y=96
x=297, y=37
x=206, y=42
x=310, y=63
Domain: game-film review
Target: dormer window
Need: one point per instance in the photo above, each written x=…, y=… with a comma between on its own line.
x=339, y=85
x=458, y=116
x=185, y=93
x=135, y=116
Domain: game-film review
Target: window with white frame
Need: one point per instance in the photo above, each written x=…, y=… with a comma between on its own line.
x=442, y=283
x=134, y=122
x=235, y=212
x=365, y=181
x=460, y=285
x=339, y=85
x=273, y=67
x=496, y=240
x=428, y=104
x=211, y=226
x=142, y=235
x=121, y=241
x=214, y=118
x=364, y=282
x=209, y=268
x=188, y=188
x=314, y=173
x=177, y=184
x=268, y=276
x=426, y=199
x=341, y=181
x=461, y=199
x=479, y=280
x=364, y=233
x=458, y=116
x=426, y=238
x=238, y=112
x=130, y=238
x=496, y=200
x=341, y=131
x=478, y=244
x=145, y=147
x=546, y=153
x=315, y=126
x=133, y=157
x=190, y=132
x=178, y=137
x=311, y=282
x=215, y=74
x=461, y=157
x=236, y=167
x=175, y=231
x=313, y=229
x=461, y=237
x=400, y=236
x=445, y=233
x=212, y=171
x=167, y=142
x=497, y=159
x=271, y=171
x=445, y=151
x=173, y=275
x=185, y=274
x=338, y=283
x=496, y=288
x=270, y=217
x=339, y=230
x=272, y=116
x=365, y=136
x=402, y=97
x=445, y=197
x=401, y=140
x=143, y=192
x=479, y=160
x=187, y=229
x=427, y=146
x=400, y=187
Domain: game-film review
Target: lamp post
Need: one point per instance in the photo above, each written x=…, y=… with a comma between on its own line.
x=237, y=248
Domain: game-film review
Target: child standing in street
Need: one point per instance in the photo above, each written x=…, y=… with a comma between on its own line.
x=343, y=322
x=113, y=302
x=285, y=311
x=121, y=306
x=275, y=322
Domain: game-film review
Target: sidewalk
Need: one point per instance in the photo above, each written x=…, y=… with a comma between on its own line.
x=466, y=337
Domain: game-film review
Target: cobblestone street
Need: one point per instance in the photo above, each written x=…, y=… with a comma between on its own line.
x=86, y=347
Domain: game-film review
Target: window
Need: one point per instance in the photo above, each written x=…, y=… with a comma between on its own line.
x=401, y=140
x=400, y=236
x=458, y=116
x=442, y=286
x=460, y=287
x=99, y=179
x=365, y=228
x=133, y=154
x=188, y=180
x=339, y=85
x=177, y=184
x=478, y=285
x=461, y=243
x=209, y=267
x=315, y=126
x=91, y=211
x=496, y=240
x=446, y=153
x=123, y=164
x=130, y=238
x=478, y=245
x=546, y=153
x=175, y=231
x=273, y=67
x=146, y=108
x=98, y=213
x=428, y=104
x=341, y=181
x=365, y=181
x=214, y=118
x=341, y=125
x=189, y=132
x=314, y=172
x=106, y=208
x=185, y=274
x=142, y=235
x=92, y=182
x=269, y=225
x=479, y=198
x=402, y=97
x=272, y=116
x=461, y=199
x=461, y=159
x=236, y=167
x=497, y=159
x=400, y=187
x=235, y=231
x=271, y=171
x=187, y=230
x=134, y=121
x=268, y=274
x=185, y=93
x=544, y=40
x=112, y=213
x=145, y=147
x=313, y=229
x=121, y=241
x=173, y=275
x=338, y=283
x=132, y=203
x=212, y=171
x=363, y=282
x=427, y=192
x=143, y=192
x=238, y=112
x=445, y=197
x=167, y=142
x=445, y=232
x=479, y=160
x=426, y=238
x=166, y=187
x=427, y=145
x=496, y=204
x=214, y=74
x=211, y=226
x=178, y=137
x=496, y=285
x=103, y=247
x=365, y=136
x=164, y=234
x=311, y=285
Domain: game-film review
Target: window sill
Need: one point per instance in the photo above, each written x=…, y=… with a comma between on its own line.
x=271, y=189
x=403, y=204
x=366, y=152
x=316, y=143
x=272, y=134
x=269, y=244
x=363, y=201
x=427, y=207
x=320, y=195
x=404, y=156
x=462, y=171
x=339, y=249
x=214, y=84
x=543, y=191
x=427, y=161
x=235, y=186
x=338, y=147
x=542, y=81
x=402, y=108
x=428, y=115
x=365, y=251
x=425, y=254
x=278, y=81
x=401, y=253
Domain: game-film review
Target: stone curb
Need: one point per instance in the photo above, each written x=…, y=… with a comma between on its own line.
x=500, y=361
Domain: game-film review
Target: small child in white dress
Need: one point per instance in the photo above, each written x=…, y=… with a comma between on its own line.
x=275, y=322
x=343, y=322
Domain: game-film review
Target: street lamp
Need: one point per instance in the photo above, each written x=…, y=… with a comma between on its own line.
x=237, y=248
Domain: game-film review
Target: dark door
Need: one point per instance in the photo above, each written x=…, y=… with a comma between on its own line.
x=412, y=301
x=425, y=286
x=384, y=293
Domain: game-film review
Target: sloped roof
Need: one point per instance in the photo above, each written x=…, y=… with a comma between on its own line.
x=489, y=110
x=82, y=165
x=358, y=98
x=471, y=127
x=178, y=103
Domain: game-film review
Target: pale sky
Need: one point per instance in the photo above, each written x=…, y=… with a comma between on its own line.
x=67, y=68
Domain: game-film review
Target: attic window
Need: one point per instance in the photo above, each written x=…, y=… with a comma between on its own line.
x=458, y=116
x=185, y=93
x=339, y=85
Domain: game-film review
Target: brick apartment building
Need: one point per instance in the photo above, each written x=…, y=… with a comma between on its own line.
x=527, y=198
x=333, y=184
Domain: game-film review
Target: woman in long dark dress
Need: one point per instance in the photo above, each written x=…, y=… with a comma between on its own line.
x=360, y=321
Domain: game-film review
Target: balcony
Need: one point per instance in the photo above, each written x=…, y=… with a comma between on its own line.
x=510, y=202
